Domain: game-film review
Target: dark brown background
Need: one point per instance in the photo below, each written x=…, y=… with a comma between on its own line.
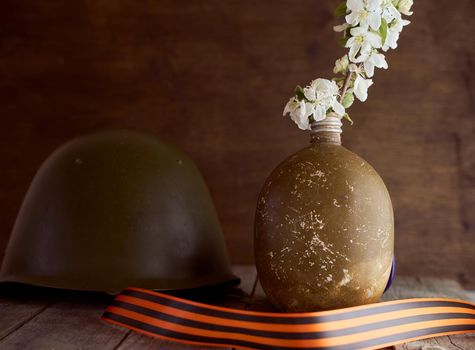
x=213, y=76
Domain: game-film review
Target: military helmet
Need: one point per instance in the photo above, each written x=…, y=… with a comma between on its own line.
x=116, y=209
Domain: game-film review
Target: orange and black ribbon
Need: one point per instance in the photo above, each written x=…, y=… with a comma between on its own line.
x=362, y=327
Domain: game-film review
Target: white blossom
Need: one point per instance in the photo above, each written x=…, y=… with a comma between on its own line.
x=298, y=113
x=365, y=13
x=394, y=30
x=323, y=93
x=362, y=41
x=338, y=108
x=321, y=90
x=371, y=60
x=361, y=87
x=319, y=97
x=389, y=11
x=291, y=106
x=317, y=111
x=367, y=23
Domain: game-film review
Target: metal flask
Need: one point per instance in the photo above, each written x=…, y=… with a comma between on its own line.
x=117, y=209
x=324, y=228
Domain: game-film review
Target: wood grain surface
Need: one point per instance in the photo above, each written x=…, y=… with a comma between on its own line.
x=213, y=77
x=44, y=319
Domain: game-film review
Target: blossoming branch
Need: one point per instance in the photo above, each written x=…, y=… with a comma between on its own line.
x=371, y=26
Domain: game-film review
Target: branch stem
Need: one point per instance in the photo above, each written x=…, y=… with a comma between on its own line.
x=346, y=84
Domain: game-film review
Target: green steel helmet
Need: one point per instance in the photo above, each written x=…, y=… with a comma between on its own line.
x=116, y=209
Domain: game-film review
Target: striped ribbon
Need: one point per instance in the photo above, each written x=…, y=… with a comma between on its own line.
x=362, y=327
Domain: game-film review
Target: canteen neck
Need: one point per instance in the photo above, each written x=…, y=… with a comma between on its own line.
x=327, y=130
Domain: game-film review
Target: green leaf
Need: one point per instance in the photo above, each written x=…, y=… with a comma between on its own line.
x=343, y=41
x=348, y=100
x=383, y=30
x=337, y=79
x=299, y=93
x=341, y=9
x=347, y=117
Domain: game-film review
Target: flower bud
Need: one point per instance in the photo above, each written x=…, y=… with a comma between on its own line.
x=404, y=6
x=341, y=65
x=353, y=68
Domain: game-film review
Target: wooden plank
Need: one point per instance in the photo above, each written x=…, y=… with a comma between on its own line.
x=432, y=287
x=20, y=305
x=234, y=298
x=411, y=287
x=466, y=160
x=456, y=342
x=71, y=323
x=425, y=287
x=471, y=295
x=142, y=342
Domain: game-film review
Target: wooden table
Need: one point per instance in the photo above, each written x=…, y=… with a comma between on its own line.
x=35, y=318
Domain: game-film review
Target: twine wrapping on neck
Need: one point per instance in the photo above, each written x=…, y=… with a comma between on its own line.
x=327, y=130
